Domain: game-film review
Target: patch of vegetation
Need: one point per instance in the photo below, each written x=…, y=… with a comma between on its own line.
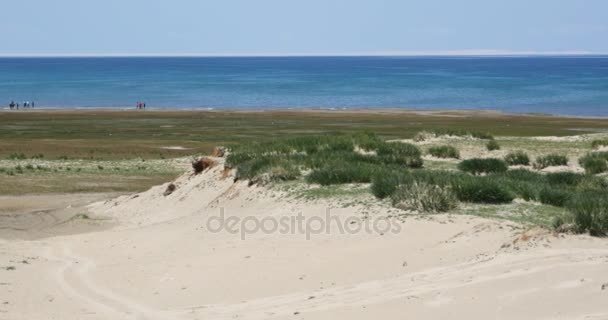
x=337, y=173
x=423, y=135
x=594, y=163
x=444, y=152
x=17, y=156
x=517, y=158
x=384, y=184
x=424, y=197
x=550, y=160
x=492, y=145
x=478, y=166
x=482, y=190
x=595, y=144
x=332, y=159
x=589, y=212
x=564, y=178
x=555, y=197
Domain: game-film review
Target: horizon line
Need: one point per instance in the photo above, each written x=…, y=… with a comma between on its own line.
x=454, y=53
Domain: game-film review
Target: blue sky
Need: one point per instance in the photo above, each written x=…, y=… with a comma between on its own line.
x=259, y=27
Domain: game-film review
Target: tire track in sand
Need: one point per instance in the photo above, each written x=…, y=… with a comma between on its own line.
x=73, y=278
x=408, y=285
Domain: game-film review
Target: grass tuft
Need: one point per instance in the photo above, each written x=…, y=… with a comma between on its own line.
x=478, y=166
x=482, y=190
x=594, y=163
x=596, y=144
x=424, y=197
x=589, y=211
x=550, y=160
x=444, y=152
x=517, y=158
x=492, y=145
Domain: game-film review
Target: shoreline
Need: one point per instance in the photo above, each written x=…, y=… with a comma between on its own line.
x=362, y=110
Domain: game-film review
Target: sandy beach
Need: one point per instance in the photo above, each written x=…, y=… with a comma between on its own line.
x=153, y=256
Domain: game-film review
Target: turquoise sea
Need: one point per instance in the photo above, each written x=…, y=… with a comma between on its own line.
x=572, y=85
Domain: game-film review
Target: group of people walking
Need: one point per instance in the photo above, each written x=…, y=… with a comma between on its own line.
x=141, y=105
x=26, y=104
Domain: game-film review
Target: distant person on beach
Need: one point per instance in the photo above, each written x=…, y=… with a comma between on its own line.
x=144, y=105
x=32, y=104
x=12, y=105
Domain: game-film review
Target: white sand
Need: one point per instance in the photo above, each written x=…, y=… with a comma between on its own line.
x=161, y=262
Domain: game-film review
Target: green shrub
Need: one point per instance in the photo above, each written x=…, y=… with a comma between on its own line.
x=235, y=159
x=385, y=183
x=424, y=197
x=550, y=160
x=564, y=178
x=525, y=190
x=341, y=144
x=589, y=212
x=368, y=141
x=524, y=175
x=482, y=190
x=340, y=173
x=265, y=169
x=400, y=153
x=17, y=156
x=478, y=166
x=492, y=145
x=599, y=143
x=553, y=196
x=444, y=152
x=593, y=164
x=517, y=158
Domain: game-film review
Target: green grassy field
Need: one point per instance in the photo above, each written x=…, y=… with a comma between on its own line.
x=106, y=134
x=134, y=147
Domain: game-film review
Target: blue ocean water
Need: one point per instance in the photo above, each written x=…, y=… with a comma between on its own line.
x=554, y=85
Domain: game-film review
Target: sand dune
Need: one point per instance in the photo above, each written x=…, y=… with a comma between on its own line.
x=159, y=260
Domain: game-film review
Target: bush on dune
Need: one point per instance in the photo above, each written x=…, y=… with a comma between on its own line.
x=444, y=152
x=594, y=163
x=266, y=169
x=478, y=166
x=564, y=178
x=482, y=190
x=595, y=144
x=424, y=197
x=492, y=145
x=517, y=158
x=400, y=153
x=340, y=173
x=554, y=197
x=550, y=160
x=589, y=211
x=385, y=183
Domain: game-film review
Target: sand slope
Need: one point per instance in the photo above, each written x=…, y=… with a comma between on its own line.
x=161, y=262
